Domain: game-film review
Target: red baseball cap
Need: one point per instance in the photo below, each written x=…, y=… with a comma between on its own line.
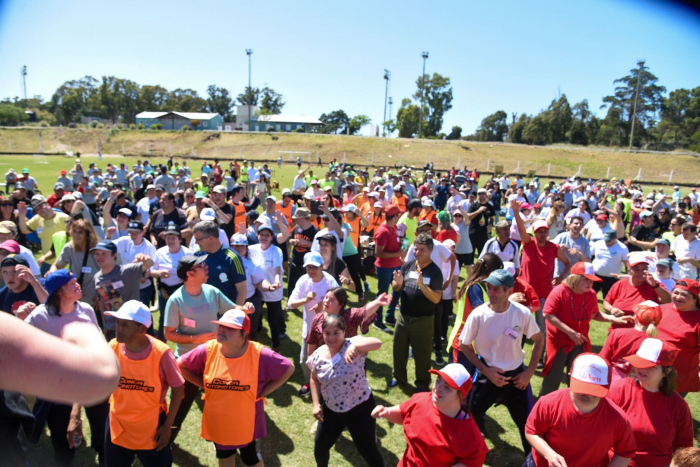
x=653, y=352
x=10, y=245
x=456, y=377
x=591, y=374
x=648, y=312
x=690, y=285
x=63, y=172
x=392, y=210
x=601, y=217
x=586, y=270
x=235, y=319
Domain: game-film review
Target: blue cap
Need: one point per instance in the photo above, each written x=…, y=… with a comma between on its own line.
x=313, y=258
x=500, y=277
x=106, y=245
x=56, y=280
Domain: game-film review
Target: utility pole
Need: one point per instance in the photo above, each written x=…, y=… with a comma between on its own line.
x=422, y=95
x=390, y=114
x=24, y=81
x=636, y=95
x=387, y=77
x=249, y=52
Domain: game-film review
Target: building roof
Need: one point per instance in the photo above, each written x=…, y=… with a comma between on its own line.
x=289, y=119
x=187, y=115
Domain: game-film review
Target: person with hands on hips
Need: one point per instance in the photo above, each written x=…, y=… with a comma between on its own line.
x=580, y=426
x=341, y=394
x=568, y=311
x=420, y=285
x=439, y=432
x=492, y=341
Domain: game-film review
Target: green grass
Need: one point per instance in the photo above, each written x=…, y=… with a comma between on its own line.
x=289, y=441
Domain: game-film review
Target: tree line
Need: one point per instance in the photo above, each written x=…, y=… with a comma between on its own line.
x=121, y=99
x=659, y=122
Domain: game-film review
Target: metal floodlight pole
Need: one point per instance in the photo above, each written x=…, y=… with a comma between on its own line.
x=249, y=52
x=636, y=95
x=387, y=77
x=422, y=95
x=24, y=82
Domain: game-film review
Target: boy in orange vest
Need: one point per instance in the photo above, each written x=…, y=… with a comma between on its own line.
x=138, y=423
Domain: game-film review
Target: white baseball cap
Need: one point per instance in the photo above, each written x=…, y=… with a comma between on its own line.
x=653, y=352
x=207, y=214
x=349, y=208
x=125, y=211
x=591, y=375
x=510, y=267
x=133, y=310
x=456, y=377
x=235, y=319
x=539, y=225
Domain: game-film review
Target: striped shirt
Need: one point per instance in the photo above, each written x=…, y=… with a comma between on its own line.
x=509, y=252
x=225, y=271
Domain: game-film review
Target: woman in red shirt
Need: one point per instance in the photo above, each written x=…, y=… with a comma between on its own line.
x=660, y=418
x=568, y=311
x=439, y=432
x=387, y=250
x=445, y=230
x=622, y=342
x=681, y=327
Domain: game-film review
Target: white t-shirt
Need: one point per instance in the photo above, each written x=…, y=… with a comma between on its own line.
x=577, y=212
x=440, y=256
x=302, y=289
x=596, y=233
x=127, y=251
x=27, y=254
x=143, y=206
x=608, y=260
x=166, y=261
x=253, y=275
x=269, y=260
x=684, y=249
x=497, y=337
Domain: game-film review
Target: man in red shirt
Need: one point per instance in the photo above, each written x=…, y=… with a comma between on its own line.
x=640, y=286
x=523, y=292
x=538, y=262
x=578, y=426
x=387, y=250
x=58, y=192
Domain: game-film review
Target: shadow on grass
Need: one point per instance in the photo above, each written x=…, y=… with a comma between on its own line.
x=183, y=457
x=502, y=454
x=270, y=449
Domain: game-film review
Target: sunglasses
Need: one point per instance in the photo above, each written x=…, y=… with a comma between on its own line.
x=4, y=205
x=457, y=215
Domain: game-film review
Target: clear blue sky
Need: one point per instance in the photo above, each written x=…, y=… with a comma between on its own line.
x=323, y=56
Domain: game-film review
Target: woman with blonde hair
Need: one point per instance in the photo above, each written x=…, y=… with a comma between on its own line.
x=76, y=253
x=555, y=218
x=622, y=342
x=568, y=312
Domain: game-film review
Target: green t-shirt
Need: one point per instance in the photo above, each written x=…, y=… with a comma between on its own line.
x=411, y=225
x=349, y=247
x=329, y=183
x=627, y=203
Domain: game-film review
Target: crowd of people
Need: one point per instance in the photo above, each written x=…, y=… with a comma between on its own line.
x=211, y=248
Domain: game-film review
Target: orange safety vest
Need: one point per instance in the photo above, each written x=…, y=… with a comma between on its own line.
x=287, y=212
x=135, y=405
x=355, y=233
x=375, y=221
x=366, y=209
x=240, y=215
x=230, y=392
x=400, y=202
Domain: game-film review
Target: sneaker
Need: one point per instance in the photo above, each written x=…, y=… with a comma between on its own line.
x=381, y=327
x=366, y=287
x=392, y=384
x=540, y=365
x=390, y=322
x=439, y=361
x=305, y=390
x=283, y=336
x=361, y=297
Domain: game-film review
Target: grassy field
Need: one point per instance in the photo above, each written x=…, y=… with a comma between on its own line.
x=289, y=441
x=565, y=161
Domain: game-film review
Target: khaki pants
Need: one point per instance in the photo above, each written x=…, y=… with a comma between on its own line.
x=418, y=334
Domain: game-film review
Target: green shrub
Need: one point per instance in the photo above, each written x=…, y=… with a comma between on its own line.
x=132, y=126
x=94, y=123
x=185, y=128
x=142, y=126
x=299, y=130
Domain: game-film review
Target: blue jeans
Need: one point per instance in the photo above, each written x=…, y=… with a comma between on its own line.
x=384, y=278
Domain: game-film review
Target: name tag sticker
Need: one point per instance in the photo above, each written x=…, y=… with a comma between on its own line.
x=512, y=334
x=190, y=323
x=39, y=230
x=86, y=270
x=118, y=284
x=413, y=275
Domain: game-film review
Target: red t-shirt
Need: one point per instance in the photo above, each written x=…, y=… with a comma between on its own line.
x=537, y=266
x=622, y=343
x=661, y=424
x=582, y=439
x=436, y=440
x=682, y=328
x=447, y=235
x=388, y=237
x=625, y=296
x=576, y=315
x=532, y=301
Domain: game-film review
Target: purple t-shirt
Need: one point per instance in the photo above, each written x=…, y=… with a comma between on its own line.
x=271, y=367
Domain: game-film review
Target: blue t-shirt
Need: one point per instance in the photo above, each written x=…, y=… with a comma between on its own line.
x=225, y=271
x=10, y=302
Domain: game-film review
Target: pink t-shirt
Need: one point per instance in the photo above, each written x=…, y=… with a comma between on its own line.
x=271, y=367
x=170, y=375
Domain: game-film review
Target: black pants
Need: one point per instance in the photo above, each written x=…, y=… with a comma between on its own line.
x=274, y=319
x=485, y=394
x=249, y=454
x=478, y=242
x=191, y=391
x=295, y=272
x=256, y=316
x=357, y=272
x=605, y=286
x=440, y=322
x=119, y=456
x=58, y=420
x=362, y=429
